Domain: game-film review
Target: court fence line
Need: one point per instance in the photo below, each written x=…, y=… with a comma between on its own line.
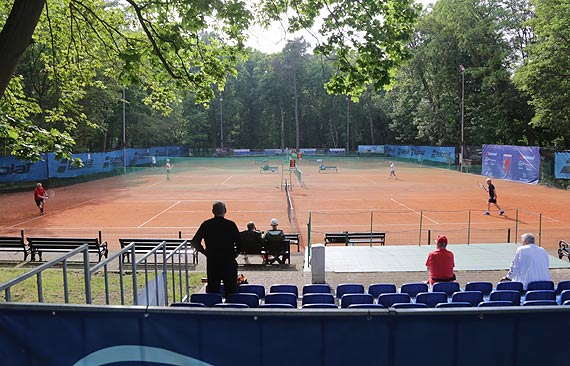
x=468, y=231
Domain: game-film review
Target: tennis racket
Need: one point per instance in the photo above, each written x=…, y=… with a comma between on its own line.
x=51, y=193
x=481, y=185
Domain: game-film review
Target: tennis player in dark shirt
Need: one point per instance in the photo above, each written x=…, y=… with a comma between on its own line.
x=492, y=198
x=222, y=240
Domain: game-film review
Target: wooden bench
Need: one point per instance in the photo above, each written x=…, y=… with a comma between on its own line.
x=40, y=245
x=293, y=240
x=277, y=251
x=14, y=244
x=267, y=168
x=352, y=238
x=324, y=168
x=143, y=246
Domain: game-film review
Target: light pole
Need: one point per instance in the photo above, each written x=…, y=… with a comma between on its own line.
x=462, y=154
x=347, y=124
x=221, y=122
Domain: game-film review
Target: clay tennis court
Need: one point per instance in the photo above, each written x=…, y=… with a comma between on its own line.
x=421, y=203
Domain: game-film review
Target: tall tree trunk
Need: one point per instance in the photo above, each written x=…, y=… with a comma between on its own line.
x=16, y=36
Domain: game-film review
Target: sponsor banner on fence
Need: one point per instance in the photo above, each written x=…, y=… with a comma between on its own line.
x=337, y=151
x=371, y=149
x=516, y=163
x=441, y=154
x=562, y=165
x=13, y=170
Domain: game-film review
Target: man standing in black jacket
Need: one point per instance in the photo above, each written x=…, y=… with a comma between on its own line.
x=222, y=239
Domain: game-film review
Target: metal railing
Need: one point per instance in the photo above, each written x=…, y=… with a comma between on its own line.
x=173, y=264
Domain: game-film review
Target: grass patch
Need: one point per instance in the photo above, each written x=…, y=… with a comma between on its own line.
x=52, y=284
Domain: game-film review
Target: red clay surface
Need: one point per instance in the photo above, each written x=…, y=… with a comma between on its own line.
x=359, y=197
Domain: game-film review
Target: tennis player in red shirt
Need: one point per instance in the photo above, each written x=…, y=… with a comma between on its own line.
x=440, y=262
x=40, y=196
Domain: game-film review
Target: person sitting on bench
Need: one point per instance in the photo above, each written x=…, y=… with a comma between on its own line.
x=272, y=236
x=440, y=262
x=251, y=241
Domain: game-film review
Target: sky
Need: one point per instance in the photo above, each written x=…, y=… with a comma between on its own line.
x=273, y=40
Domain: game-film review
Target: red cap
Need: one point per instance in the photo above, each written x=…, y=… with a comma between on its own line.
x=441, y=239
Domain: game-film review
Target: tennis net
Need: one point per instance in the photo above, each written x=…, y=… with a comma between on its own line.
x=290, y=209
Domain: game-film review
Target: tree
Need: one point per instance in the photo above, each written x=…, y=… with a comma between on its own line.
x=544, y=74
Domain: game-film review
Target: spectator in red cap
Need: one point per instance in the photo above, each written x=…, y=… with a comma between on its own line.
x=440, y=262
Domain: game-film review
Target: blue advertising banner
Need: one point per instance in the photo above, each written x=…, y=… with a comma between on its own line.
x=515, y=163
x=562, y=165
x=371, y=149
x=13, y=170
x=135, y=336
x=441, y=154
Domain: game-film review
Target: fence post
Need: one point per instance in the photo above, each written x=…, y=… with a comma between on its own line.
x=540, y=229
x=469, y=227
x=508, y=235
x=517, y=223
x=179, y=234
x=165, y=271
x=87, y=275
x=371, y=225
x=309, y=236
x=421, y=219
x=134, y=271
x=429, y=237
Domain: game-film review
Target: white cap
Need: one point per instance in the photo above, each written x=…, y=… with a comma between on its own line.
x=274, y=222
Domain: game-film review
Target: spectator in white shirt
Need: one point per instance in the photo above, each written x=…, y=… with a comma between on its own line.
x=529, y=264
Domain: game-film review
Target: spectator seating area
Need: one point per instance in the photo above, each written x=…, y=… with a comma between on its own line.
x=384, y=295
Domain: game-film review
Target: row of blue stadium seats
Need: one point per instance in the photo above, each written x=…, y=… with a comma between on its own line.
x=412, y=289
x=390, y=300
x=353, y=294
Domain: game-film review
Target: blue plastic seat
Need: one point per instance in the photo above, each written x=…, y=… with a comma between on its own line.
x=510, y=285
x=431, y=299
x=320, y=306
x=409, y=305
x=316, y=289
x=484, y=287
x=413, y=288
x=277, y=306
x=207, y=299
x=506, y=295
x=292, y=289
x=251, y=300
x=350, y=299
x=540, y=285
x=387, y=300
x=448, y=287
x=281, y=298
x=540, y=295
x=259, y=290
x=318, y=299
x=562, y=285
x=490, y=304
x=371, y=306
x=564, y=296
x=378, y=289
x=539, y=303
x=453, y=305
x=349, y=288
x=231, y=305
x=472, y=297
x=188, y=305
x=567, y=302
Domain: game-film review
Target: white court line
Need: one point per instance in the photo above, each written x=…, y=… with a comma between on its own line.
x=401, y=204
x=370, y=180
x=158, y=214
x=230, y=177
x=39, y=217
